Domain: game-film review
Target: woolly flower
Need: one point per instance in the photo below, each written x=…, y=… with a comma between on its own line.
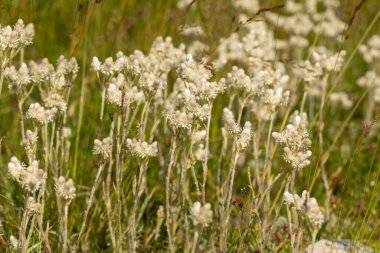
x=249, y=6
x=32, y=178
x=29, y=142
x=193, y=30
x=56, y=101
x=179, y=119
x=244, y=137
x=370, y=79
x=199, y=136
x=18, y=37
x=39, y=114
x=328, y=61
x=295, y=200
x=229, y=49
x=296, y=140
x=108, y=68
x=193, y=71
x=25, y=33
x=14, y=243
x=306, y=206
x=33, y=207
x=40, y=72
x=229, y=122
x=17, y=78
x=142, y=149
x=274, y=98
x=151, y=82
x=182, y=4
x=65, y=189
x=201, y=215
x=314, y=214
x=67, y=67
x=237, y=79
x=206, y=90
x=197, y=48
x=103, y=147
x=341, y=98
x=15, y=167
x=371, y=50
x=306, y=71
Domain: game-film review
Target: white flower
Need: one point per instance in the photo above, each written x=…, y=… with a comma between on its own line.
x=14, y=243
x=39, y=114
x=229, y=122
x=103, y=147
x=15, y=167
x=201, y=215
x=244, y=137
x=142, y=149
x=65, y=189
x=32, y=178
x=295, y=137
x=179, y=119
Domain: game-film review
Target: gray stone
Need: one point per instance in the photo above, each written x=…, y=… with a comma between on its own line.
x=339, y=246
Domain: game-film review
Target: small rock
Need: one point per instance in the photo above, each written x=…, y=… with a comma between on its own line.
x=339, y=246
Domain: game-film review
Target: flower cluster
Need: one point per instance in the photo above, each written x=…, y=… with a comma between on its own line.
x=201, y=215
x=39, y=114
x=103, y=147
x=31, y=178
x=16, y=38
x=295, y=137
x=65, y=189
x=306, y=206
x=142, y=149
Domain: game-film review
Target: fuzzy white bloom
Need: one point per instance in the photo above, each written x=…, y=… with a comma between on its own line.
x=229, y=122
x=29, y=142
x=230, y=49
x=328, y=61
x=41, y=115
x=56, y=101
x=179, y=119
x=274, y=98
x=65, y=189
x=103, y=147
x=239, y=80
x=142, y=149
x=32, y=206
x=306, y=206
x=314, y=214
x=371, y=50
x=182, y=4
x=32, y=177
x=370, y=79
x=15, y=167
x=14, y=243
x=201, y=215
x=295, y=137
x=40, y=72
x=199, y=136
x=194, y=30
x=306, y=71
x=17, y=78
x=197, y=48
x=341, y=98
x=18, y=37
x=244, y=137
x=249, y=6
x=192, y=71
